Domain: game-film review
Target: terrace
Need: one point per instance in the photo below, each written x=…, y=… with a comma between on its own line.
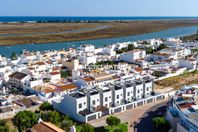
x=77, y=95
x=85, y=112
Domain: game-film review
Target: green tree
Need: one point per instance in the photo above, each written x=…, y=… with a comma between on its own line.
x=113, y=121
x=87, y=128
x=65, y=74
x=66, y=125
x=149, y=50
x=131, y=47
x=161, y=124
x=162, y=46
x=4, y=126
x=24, y=119
x=13, y=56
x=46, y=106
x=117, y=130
x=51, y=116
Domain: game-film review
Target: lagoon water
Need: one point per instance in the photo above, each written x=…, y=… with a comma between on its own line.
x=169, y=33
x=84, y=18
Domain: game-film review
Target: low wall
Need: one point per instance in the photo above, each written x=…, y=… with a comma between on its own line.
x=134, y=104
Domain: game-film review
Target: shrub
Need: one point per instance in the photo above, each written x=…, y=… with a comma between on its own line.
x=46, y=106
x=113, y=121
x=24, y=119
x=161, y=124
x=4, y=126
x=87, y=128
x=51, y=116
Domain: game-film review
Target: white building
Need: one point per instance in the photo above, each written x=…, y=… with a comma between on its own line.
x=18, y=79
x=100, y=99
x=132, y=56
x=88, y=59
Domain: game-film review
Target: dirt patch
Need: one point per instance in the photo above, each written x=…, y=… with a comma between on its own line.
x=178, y=81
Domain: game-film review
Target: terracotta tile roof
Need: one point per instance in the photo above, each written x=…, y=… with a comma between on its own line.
x=40, y=63
x=88, y=79
x=55, y=69
x=46, y=127
x=48, y=62
x=54, y=73
x=138, y=69
x=67, y=87
x=115, y=77
x=49, y=90
x=31, y=68
x=185, y=105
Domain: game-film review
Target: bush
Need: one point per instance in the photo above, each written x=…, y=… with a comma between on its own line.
x=162, y=46
x=66, y=125
x=113, y=121
x=87, y=128
x=4, y=126
x=24, y=119
x=65, y=74
x=131, y=47
x=123, y=127
x=161, y=124
x=46, y=106
x=13, y=56
x=51, y=116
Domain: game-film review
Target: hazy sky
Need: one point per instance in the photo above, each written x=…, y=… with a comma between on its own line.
x=98, y=7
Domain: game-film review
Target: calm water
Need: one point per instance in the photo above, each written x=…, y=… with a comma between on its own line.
x=177, y=32
x=44, y=18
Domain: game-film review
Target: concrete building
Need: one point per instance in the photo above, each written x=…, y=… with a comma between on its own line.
x=132, y=56
x=100, y=99
x=18, y=79
x=182, y=112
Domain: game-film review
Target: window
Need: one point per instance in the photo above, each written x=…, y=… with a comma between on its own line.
x=147, y=88
x=93, y=102
x=80, y=106
x=117, y=96
x=109, y=96
x=84, y=103
x=128, y=94
x=117, y=102
x=106, y=99
x=138, y=91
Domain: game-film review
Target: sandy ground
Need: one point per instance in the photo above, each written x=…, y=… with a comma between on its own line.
x=178, y=81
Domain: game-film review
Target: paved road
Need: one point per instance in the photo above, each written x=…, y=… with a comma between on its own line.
x=145, y=122
x=128, y=116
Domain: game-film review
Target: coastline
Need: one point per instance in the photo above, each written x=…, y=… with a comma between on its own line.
x=114, y=30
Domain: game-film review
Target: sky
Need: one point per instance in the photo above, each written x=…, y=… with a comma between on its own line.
x=98, y=7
